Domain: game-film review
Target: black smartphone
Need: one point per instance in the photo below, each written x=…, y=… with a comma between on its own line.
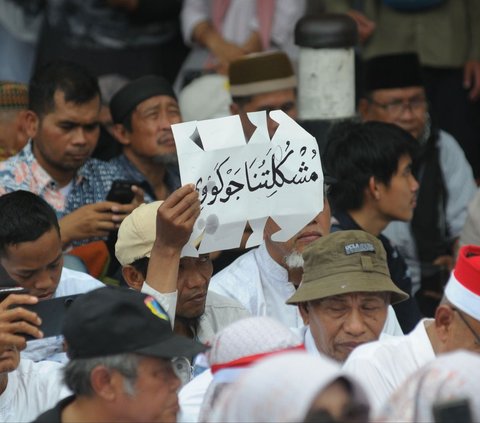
x=457, y=410
x=5, y=291
x=52, y=312
x=121, y=191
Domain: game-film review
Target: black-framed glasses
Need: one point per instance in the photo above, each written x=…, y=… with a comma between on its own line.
x=397, y=107
x=468, y=325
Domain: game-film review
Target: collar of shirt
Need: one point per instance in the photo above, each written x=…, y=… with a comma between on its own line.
x=275, y=271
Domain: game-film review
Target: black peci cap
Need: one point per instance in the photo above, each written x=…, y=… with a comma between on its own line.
x=111, y=320
x=127, y=98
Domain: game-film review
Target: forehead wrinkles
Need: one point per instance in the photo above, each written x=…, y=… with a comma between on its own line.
x=354, y=297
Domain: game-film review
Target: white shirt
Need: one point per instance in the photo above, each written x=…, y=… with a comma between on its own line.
x=261, y=285
x=191, y=395
x=219, y=311
x=32, y=389
x=460, y=186
x=71, y=283
x=381, y=366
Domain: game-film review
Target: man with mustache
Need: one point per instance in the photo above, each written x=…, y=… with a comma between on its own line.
x=345, y=293
x=149, y=249
x=143, y=112
x=395, y=92
x=374, y=185
x=121, y=375
x=62, y=122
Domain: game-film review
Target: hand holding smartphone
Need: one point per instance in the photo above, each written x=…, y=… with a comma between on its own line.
x=121, y=191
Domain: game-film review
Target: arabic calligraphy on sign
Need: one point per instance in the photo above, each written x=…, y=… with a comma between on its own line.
x=269, y=172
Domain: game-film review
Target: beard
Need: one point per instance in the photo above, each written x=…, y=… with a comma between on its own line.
x=166, y=159
x=294, y=260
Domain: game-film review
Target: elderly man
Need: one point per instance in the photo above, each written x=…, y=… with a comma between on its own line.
x=124, y=374
x=264, y=278
x=383, y=365
x=372, y=165
x=345, y=292
x=395, y=93
x=149, y=248
x=143, y=112
x=262, y=81
x=62, y=121
x=31, y=255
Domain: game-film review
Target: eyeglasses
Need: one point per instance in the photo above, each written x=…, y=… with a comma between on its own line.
x=468, y=325
x=397, y=107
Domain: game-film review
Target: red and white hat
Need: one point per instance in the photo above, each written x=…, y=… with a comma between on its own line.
x=463, y=287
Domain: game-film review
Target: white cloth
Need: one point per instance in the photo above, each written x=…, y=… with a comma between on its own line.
x=247, y=339
x=192, y=395
x=219, y=311
x=381, y=366
x=280, y=388
x=71, y=283
x=449, y=377
x=261, y=285
x=31, y=389
x=460, y=186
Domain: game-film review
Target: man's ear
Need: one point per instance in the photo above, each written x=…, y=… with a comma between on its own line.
x=31, y=123
x=303, y=309
x=444, y=317
x=373, y=188
x=103, y=383
x=121, y=133
x=133, y=277
x=363, y=108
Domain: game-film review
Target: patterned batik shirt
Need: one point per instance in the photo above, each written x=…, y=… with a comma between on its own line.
x=128, y=171
x=90, y=185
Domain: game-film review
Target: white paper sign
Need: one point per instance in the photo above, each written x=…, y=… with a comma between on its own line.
x=240, y=182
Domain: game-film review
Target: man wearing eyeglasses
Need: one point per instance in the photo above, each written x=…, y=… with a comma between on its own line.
x=383, y=365
x=395, y=94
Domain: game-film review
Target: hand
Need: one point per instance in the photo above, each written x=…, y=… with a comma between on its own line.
x=471, y=78
x=365, y=26
x=176, y=217
x=14, y=321
x=98, y=219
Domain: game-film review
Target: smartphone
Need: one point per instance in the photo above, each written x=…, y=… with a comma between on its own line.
x=52, y=312
x=457, y=410
x=5, y=291
x=121, y=191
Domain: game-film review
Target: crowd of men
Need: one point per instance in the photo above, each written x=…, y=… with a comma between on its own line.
x=354, y=318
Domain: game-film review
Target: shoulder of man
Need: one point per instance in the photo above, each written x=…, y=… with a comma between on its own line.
x=73, y=282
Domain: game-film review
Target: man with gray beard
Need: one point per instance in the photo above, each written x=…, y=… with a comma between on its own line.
x=264, y=278
x=143, y=112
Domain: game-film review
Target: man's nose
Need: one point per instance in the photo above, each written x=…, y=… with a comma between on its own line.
x=195, y=279
x=414, y=184
x=44, y=280
x=355, y=323
x=79, y=136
